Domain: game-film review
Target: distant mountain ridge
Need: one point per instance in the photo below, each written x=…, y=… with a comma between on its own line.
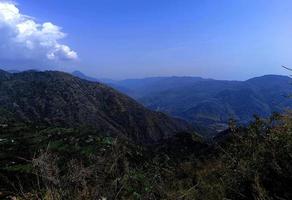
x=81, y=75
x=58, y=98
x=209, y=103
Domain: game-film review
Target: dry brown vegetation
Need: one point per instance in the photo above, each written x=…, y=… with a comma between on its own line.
x=251, y=162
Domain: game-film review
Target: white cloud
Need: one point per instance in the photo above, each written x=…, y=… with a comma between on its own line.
x=22, y=38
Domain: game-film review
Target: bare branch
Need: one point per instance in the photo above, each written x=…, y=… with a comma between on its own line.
x=287, y=68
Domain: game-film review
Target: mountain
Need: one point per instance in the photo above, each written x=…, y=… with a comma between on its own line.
x=77, y=143
x=208, y=103
x=142, y=87
x=89, y=78
x=13, y=71
x=60, y=99
x=83, y=76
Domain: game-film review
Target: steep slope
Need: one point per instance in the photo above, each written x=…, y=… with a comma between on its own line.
x=57, y=98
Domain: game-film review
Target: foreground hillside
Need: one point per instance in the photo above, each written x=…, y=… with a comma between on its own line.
x=211, y=103
x=59, y=99
x=43, y=162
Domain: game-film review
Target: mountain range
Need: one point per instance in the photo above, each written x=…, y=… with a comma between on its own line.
x=208, y=104
x=62, y=137
x=60, y=99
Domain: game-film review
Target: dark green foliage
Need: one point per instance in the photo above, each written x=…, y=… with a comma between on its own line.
x=258, y=160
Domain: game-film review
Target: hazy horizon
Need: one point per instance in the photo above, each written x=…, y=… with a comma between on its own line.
x=225, y=40
x=141, y=78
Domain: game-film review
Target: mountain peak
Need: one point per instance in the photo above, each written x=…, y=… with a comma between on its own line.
x=81, y=75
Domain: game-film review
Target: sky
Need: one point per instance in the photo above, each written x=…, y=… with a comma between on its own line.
x=223, y=39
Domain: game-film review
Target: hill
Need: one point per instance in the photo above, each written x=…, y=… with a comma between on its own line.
x=60, y=99
x=247, y=163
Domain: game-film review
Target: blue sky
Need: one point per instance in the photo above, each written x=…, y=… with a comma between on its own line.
x=224, y=39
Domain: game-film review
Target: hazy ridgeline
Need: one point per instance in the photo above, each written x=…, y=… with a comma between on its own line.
x=208, y=104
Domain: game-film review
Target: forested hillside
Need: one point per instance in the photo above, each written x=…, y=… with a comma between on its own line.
x=57, y=98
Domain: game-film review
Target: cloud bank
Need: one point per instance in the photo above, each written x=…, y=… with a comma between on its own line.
x=22, y=39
